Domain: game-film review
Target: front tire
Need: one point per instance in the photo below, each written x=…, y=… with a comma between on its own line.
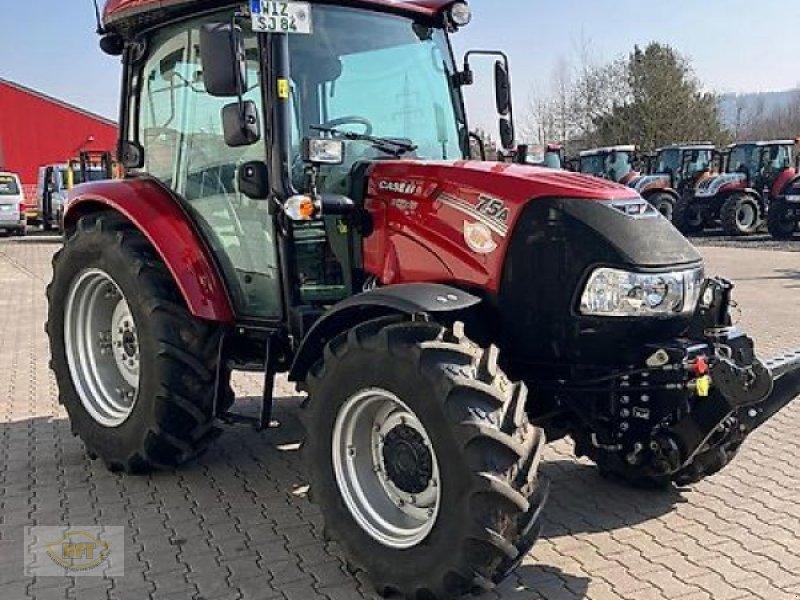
x=422, y=459
x=779, y=224
x=740, y=215
x=688, y=217
x=665, y=204
x=135, y=370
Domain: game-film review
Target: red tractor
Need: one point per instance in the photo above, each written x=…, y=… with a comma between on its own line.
x=783, y=216
x=673, y=174
x=299, y=198
x=738, y=199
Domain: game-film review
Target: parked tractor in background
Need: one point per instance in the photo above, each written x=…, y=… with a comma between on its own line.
x=615, y=163
x=755, y=173
x=414, y=293
x=673, y=173
x=57, y=180
x=783, y=217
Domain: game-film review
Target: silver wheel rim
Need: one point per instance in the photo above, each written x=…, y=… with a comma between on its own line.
x=746, y=216
x=366, y=424
x=102, y=347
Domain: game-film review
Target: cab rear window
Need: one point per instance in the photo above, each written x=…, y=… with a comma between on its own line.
x=8, y=186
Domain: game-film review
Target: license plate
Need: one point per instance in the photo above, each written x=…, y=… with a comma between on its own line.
x=6, y=208
x=281, y=17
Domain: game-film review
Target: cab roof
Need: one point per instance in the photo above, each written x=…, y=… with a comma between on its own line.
x=766, y=143
x=118, y=11
x=606, y=150
x=689, y=146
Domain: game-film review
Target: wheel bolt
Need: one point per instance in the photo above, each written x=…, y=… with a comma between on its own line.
x=351, y=450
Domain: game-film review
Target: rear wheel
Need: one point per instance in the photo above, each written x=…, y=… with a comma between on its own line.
x=422, y=459
x=781, y=226
x=135, y=370
x=665, y=204
x=687, y=216
x=740, y=215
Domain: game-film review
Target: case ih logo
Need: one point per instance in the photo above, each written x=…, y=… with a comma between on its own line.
x=408, y=188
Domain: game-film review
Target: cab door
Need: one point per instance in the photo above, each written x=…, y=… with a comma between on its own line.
x=181, y=132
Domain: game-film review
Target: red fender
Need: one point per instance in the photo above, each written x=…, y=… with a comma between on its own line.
x=156, y=213
x=782, y=182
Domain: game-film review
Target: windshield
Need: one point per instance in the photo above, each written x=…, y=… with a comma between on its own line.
x=593, y=165
x=669, y=161
x=8, y=185
x=698, y=161
x=744, y=159
x=611, y=165
x=376, y=74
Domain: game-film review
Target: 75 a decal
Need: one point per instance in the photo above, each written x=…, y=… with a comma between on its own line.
x=493, y=208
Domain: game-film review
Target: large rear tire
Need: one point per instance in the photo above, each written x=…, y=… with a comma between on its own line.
x=779, y=224
x=740, y=215
x=687, y=215
x=422, y=459
x=135, y=370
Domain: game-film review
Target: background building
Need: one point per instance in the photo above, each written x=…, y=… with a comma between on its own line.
x=36, y=129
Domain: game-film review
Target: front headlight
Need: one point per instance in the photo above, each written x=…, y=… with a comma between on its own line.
x=617, y=293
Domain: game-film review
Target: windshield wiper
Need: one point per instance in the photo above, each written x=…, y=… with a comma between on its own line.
x=394, y=147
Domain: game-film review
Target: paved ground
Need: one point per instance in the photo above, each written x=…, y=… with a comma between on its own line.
x=237, y=525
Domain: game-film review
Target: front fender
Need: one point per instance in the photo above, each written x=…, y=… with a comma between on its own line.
x=155, y=211
x=404, y=299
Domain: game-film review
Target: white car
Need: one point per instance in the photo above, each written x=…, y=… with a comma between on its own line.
x=12, y=204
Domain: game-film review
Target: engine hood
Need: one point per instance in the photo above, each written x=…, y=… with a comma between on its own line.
x=645, y=183
x=714, y=185
x=514, y=184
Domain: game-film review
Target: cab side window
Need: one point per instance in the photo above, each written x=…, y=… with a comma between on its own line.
x=180, y=129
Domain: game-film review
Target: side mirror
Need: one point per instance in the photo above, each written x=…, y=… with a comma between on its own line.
x=502, y=86
x=223, y=58
x=506, y=133
x=131, y=155
x=240, y=124
x=521, y=155
x=252, y=179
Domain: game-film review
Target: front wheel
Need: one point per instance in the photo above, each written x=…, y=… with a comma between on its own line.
x=780, y=225
x=135, y=370
x=687, y=215
x=422, y=459
x=665, y=204
x=740, y=215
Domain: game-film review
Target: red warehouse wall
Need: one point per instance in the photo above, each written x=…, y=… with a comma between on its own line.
x=36, y=129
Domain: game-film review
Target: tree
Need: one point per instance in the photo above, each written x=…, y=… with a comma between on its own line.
x=665, y=104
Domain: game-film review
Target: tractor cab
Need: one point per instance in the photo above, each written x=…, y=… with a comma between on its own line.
x=615, y=163
x=761, y=163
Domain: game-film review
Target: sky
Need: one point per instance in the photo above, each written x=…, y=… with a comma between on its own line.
x=734, y=45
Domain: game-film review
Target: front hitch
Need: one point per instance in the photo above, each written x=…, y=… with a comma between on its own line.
x=785, y=373
x=745, y=392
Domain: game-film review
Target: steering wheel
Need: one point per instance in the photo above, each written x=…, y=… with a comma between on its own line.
x=349, y=120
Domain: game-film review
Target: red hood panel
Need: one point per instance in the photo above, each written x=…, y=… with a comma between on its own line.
x=452, y=221
x=510, y=182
